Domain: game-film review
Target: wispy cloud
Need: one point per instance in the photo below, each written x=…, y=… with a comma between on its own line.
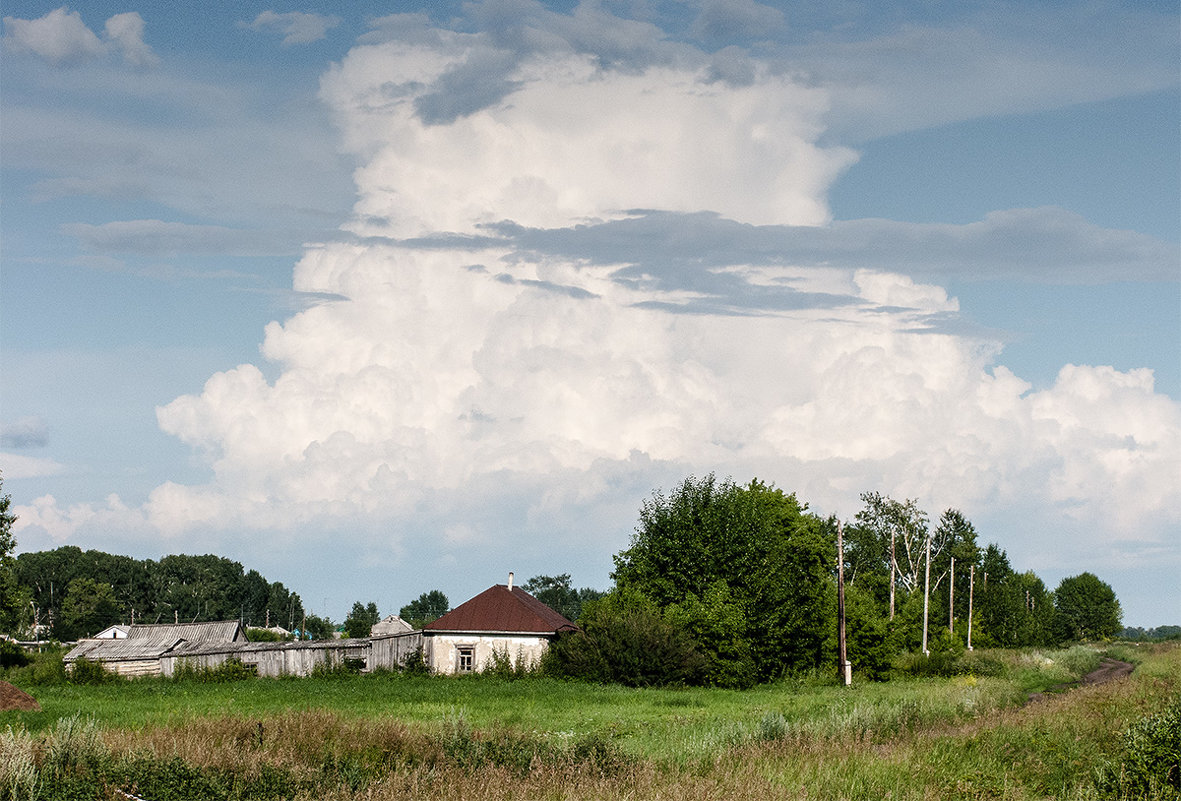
x=61, y=37
x=159, y=238
x=296, y=27
x=1049, y=245
x=27, y=432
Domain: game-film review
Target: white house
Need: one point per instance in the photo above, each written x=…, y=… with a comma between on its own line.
x=502, y=619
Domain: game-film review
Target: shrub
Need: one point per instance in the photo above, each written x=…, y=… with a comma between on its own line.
x=12, y=655
x=337, y=667
x=230, y=670
x=504, y=666
x=85, y=671
x=416, y=663
x=1150, y=765
x=974, y=663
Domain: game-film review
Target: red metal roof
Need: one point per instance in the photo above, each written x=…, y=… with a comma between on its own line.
x=503, y=610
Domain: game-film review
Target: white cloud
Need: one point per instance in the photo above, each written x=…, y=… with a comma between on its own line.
x=17, y=465
x=61, y=37
x=296, y=27
x=159, y=238
x=573, y=141
x=505, y=376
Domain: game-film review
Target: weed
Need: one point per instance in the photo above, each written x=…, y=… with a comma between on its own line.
x=18, y=769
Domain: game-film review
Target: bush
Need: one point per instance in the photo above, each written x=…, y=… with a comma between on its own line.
x=504, y=666
x=12, y=655
x=230, y=670
x=43, y=669
x=84, y=671
x=334, y=667
x=416, y=663
x=1150, y=763
x=917, y=665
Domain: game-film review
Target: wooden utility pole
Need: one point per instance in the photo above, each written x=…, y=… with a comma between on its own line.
x=846, y=667
x=971, y=591
x=927, y=595
x=951, y=599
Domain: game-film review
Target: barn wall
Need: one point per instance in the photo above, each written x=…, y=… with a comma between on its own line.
x=393, y=651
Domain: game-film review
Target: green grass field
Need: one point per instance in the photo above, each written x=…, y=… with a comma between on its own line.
x=394, y=736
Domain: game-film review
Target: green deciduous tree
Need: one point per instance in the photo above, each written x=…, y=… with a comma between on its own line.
x=11, y=599
x=361, y=619
x=426, y=608
x=1085, y=608
x=88, y=608
x=557, y=593
x=773, y=561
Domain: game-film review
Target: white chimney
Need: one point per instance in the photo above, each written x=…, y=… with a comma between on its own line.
x=510, y=581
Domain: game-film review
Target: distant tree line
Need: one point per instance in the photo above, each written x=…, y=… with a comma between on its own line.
x=722, y=584
x=1159, y=633
x=75, y=593
x=729, y=585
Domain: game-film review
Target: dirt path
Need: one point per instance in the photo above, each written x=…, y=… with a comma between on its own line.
x=1108, y=669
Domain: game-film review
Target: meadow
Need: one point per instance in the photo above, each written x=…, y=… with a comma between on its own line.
x=970, y=735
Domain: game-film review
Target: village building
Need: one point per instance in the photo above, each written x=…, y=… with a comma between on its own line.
x=390, y=625
x=502, y=620
x=139, y=650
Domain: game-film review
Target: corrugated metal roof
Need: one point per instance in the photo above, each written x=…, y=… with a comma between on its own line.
x=150, y=641
x=499, y=609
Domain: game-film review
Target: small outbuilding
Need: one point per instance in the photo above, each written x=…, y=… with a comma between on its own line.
x=139, y=652
x=503, y=619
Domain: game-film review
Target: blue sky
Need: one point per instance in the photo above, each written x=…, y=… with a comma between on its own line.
x=406, y=296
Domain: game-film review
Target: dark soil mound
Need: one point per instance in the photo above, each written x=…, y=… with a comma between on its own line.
x=13, y=698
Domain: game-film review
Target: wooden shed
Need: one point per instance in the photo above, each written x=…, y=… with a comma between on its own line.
x=139, y=653
x=503, y=619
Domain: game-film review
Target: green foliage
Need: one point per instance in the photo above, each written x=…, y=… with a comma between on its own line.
x=502, y=665
x=772, y=558
x=264, y=635
x=718, y=626
x=557, y=593
x=86, y=671
x=11, y=603
x=1150, y=763
x=1158, y=633
x=178, y=587
x=1085, y=608
x=871, y=644
x=230, y=670
x=89, y=607
x=881, y=522
x=12, y=655
x=361, y=619
x=44, y=668
x=317, y=628
x=626, y=640
x=416, y=663
x=426, y=608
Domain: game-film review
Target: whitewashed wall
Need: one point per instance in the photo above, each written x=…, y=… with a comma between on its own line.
x=443, y=651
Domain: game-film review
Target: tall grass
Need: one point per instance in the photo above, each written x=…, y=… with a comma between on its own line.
x=399, y=737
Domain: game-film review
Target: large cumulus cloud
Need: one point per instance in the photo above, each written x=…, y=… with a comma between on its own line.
x=489, y=343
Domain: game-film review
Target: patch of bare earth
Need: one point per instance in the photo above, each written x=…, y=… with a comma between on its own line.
x=13, y=699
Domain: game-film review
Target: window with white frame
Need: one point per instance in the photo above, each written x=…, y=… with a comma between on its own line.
x=465, y=659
